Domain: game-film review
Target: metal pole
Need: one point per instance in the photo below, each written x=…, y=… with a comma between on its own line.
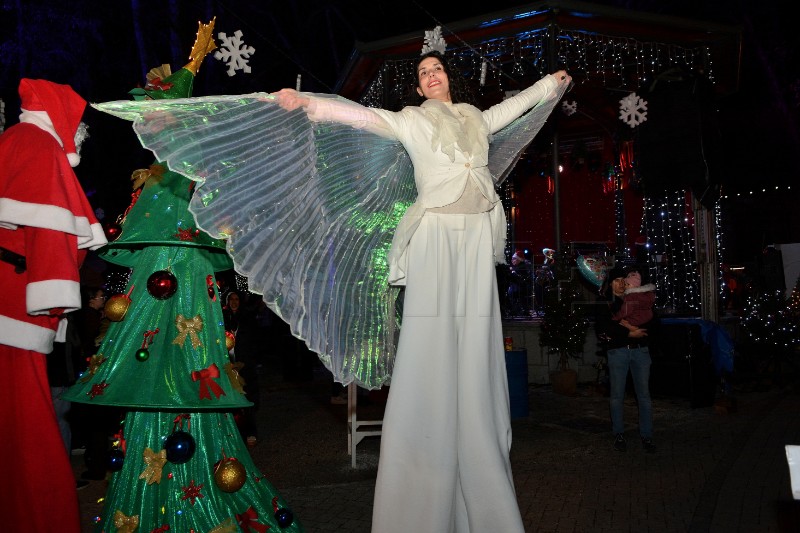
x=707, y=256
x=554, y=163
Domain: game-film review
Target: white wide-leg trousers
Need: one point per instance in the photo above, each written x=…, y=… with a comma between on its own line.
x=444, y=464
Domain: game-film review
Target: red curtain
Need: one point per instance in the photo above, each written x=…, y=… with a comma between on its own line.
x=587, y=205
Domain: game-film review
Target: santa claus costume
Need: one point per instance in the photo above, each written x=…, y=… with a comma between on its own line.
x=46, y=226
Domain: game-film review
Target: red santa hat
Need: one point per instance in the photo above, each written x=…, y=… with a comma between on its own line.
x=63, y=106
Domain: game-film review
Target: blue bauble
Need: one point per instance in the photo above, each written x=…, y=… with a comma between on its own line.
x=115, y=460
x=180, y=447
x=284, y=517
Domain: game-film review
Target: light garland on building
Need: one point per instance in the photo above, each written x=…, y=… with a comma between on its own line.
x=622, y=62
x=765, y=190
x=724, y=294
x=667, y=222
x=619, y=213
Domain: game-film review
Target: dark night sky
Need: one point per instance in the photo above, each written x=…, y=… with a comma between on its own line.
x=104, y=49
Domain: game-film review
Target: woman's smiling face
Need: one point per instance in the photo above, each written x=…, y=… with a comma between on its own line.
x=433, y=81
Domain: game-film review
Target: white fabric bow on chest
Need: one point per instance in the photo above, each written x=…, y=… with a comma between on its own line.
x=455, y=125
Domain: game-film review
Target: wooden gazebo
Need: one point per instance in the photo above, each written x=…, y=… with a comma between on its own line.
x=609, y=52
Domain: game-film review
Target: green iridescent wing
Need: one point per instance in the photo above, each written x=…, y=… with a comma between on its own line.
x=508, y=144
x=308, y=211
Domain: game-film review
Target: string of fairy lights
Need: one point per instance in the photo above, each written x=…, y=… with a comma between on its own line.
x=621, y=62
x=667, y=221
x=777, y=189
x=718, y=236
x=621, y=231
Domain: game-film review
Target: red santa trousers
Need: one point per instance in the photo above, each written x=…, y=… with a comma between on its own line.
x=39, y=493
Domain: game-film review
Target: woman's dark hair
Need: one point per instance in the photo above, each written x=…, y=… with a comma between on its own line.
x=460, y=90
x=607, y=291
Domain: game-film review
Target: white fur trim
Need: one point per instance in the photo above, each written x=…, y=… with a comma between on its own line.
x=41, y=296
x=644, y=288
x=14, y=213
x=97, y=239
x=61, y=332
x=41, y=120
x=74, y=159
x=26, y=336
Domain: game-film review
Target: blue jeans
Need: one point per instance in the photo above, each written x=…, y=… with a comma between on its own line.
x=637, y=360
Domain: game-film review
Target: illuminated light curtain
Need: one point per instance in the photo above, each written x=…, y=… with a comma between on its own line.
x=621, y=62
x=667, y=222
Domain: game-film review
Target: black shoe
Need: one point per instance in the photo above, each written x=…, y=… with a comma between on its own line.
x=619, y=443
x=647, y=444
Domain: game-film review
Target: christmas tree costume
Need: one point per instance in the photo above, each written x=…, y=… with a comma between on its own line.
x=179, y=462
x=46, y=226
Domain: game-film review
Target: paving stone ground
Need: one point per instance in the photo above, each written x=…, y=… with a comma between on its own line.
x=720, y=468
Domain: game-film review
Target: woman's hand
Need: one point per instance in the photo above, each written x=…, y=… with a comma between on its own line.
x=562, y=77
x=289, y=99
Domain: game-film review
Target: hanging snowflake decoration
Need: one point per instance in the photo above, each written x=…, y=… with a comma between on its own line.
x=569, y=108
x=234, y=52
x=632, y=110
x=434, y=41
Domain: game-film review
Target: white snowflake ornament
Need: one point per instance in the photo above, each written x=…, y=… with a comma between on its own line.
x=569, y=108
x=434, y=41
x=632, y=110
x=234, y=52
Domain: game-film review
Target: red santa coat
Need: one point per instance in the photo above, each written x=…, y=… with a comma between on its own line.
x=45, y=217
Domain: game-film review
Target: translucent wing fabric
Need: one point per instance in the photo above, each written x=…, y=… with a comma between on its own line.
x=308, y=211
x=507, y=145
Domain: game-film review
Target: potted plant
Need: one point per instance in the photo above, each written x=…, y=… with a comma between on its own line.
x=563, y=332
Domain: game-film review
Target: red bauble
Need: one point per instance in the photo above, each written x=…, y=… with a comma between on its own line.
x=162, y=284
x=112, y=231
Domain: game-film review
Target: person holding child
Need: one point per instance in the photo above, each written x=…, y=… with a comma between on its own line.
x=626, y=327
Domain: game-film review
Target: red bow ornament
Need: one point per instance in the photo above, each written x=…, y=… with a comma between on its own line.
x=206, y=378
x=247, y=521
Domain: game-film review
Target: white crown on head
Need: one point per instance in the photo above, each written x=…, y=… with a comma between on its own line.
x=434, y=41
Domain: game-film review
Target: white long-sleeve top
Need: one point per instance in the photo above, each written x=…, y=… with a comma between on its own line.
x=448, y=144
